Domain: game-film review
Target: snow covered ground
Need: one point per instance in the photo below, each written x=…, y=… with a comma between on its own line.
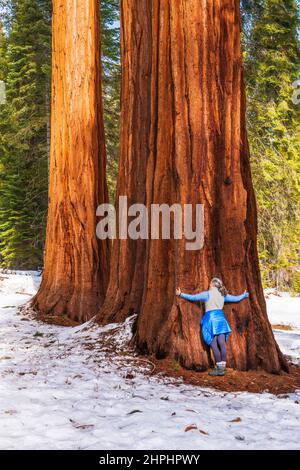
x=62, y=388
x=285, y=310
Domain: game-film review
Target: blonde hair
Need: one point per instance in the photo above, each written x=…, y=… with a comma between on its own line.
x=216, y=282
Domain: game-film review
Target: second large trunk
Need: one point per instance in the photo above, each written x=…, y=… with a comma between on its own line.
x=76, y=263
x=193, y=150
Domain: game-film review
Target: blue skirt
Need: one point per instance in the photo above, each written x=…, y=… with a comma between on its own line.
x=213, y=324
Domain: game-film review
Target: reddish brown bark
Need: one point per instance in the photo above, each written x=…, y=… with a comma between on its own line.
x=125, y=289
x=76, y=263
x=188, y=104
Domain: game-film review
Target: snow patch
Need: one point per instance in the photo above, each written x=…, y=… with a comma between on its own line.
x=286, y=311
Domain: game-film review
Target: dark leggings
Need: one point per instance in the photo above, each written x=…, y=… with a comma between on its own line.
x=219, y=348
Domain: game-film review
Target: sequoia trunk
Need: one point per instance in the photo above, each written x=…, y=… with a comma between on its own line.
x=126, y=285
x=76, y=263
x=189, y=103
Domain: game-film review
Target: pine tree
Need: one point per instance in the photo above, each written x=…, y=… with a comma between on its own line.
x=3, y=72
x=3, y=47
x=272, y=65
x=24, y=165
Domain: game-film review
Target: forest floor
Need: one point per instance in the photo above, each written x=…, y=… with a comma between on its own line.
x=81, y=388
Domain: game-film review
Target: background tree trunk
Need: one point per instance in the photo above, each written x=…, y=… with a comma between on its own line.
x=126, y=284
x=196, y=151
x=76, y=263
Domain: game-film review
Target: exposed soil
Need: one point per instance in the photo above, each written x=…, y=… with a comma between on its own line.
x=282, y=327
x=49, y=319
x=256, y=381
x=56, y=320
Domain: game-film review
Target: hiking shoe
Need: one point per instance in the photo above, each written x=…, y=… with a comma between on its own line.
x=217, y=372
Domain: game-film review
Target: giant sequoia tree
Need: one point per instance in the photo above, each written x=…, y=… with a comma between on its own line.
x=183, y=139
x=76, y=264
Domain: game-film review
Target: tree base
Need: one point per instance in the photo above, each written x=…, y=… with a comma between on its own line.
x=179, y=338
x=253, y=381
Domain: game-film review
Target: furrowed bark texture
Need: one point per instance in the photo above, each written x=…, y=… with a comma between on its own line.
x=76, y=263
x=184, y=140
x=127, y=271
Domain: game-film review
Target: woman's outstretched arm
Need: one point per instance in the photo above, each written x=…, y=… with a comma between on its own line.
x=236, y=298
x=202, y=296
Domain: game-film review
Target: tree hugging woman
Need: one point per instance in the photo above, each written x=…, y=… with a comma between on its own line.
x=214, y=325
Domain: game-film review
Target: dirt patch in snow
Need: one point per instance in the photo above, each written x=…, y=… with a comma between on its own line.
x=282, y=327
x=234, y=381
x=49, y=319
x=56, y=320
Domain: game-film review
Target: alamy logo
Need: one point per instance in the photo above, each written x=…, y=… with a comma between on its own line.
x=2, y=92
x=296, y=94
x=159, y=222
